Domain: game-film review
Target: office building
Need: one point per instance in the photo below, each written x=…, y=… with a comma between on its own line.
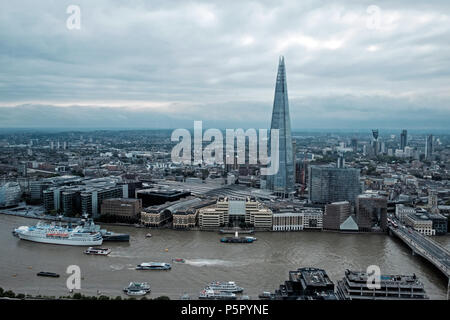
x=354, y=144
x=439, y=223
x=246, y=212
x=329, y=184
x=10, y=194
x=403, y=139
x=183, y=213
x=371, y=212
x=121, y=210
x=287, y=221
x=282, y=183
x=429, y=147
x=401, y=211
x=160, y=195
x=305, y=284
x=354, y=286
x=420, y=222
x=335, y=214
x=186, y=217
x=297, y=219
x=76, y=197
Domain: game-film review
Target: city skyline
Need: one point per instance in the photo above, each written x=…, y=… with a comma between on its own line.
x=213, y=63
x=151, y=150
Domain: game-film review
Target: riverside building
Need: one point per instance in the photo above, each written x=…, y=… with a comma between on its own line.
x=246, y=212
x=392, y=287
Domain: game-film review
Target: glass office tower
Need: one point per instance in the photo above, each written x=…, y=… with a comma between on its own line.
x=282, y=183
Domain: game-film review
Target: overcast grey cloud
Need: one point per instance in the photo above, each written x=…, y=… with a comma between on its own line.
x=164, y=64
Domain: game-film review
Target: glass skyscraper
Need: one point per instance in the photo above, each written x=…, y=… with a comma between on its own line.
x=329, y=184
x=429, y=147
x=282, y=183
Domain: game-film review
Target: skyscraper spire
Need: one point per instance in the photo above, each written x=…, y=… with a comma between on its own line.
x=282, y=183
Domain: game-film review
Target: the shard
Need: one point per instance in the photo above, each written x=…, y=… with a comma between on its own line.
x=282, y=183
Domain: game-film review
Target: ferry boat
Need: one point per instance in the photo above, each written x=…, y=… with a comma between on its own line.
x=98, y=251
x=47, y=274
x=225, y=286
x=238, y=239
x=136, y=292
x=209, y=294
x=137, y=289
x=154, y=266
x=185, y=296
x=59, y=235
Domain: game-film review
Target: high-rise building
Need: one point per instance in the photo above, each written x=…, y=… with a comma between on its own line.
x=10, y=194
x=282, y=183
x=121, y=209
x=354, y=144
x=335, y=214
x=340, y=161
x=429, y=146
x=329, y=184
x=371, y=212
x=403, y=139
x=375, y=142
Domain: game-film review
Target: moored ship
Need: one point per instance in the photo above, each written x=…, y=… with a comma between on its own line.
x=86, y=226
x=89, y=226
x=237, y=239
x=225, y=286
x=59, y=235
x=154, y=266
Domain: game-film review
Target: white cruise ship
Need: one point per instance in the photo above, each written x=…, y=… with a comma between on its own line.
x=59, y=235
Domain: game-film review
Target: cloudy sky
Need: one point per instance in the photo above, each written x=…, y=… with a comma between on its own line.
x=164, y=64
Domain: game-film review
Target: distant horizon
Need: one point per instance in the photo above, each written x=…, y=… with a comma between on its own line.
x=367, y=131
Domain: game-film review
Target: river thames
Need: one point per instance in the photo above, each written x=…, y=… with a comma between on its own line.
x=260, y=266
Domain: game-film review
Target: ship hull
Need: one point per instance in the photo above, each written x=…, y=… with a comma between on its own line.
x=61, y=241
x=118, y=237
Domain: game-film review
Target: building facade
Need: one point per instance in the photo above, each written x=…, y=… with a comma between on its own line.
x=403, y=139
x=420, y=223
x=428, y=147
x=236, y=212
x=335, y=214
x=121, y=210
x=371, y=212
x=329, y=184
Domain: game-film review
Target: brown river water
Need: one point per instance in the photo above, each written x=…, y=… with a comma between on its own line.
x=257, y=267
